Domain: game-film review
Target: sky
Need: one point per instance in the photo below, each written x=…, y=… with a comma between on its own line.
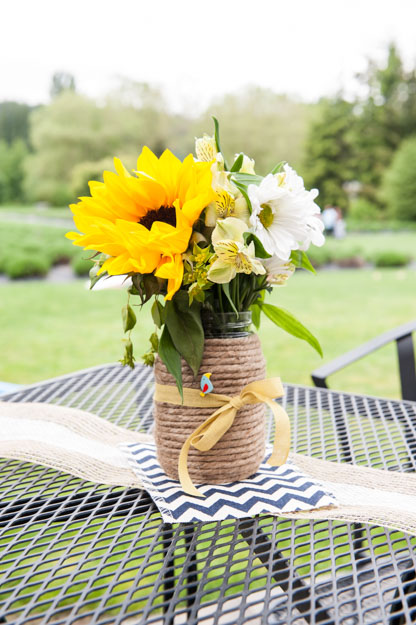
x=197, y=50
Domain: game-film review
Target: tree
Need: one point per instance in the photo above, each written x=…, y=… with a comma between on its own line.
x=12, y=159
x=14, y=121
x=384, y=118
x=74, y=130
x=61, y=82
x=266, y=126
x=400, y=182
x=84, y=172
x=328, y=151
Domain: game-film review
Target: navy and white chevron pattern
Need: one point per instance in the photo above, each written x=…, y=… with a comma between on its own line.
x=272, y=490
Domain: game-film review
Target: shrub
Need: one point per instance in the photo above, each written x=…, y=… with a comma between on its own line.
x=11, y=170
x=400, y=182
x=391, y=259
x=24, y=265
x=81, y=265
x=83, y=172
x=54, y=193
x=390, y=225
x=3, y=260
x=319, y=256
x=347, y=256
x=364, y=210
x=61, y=251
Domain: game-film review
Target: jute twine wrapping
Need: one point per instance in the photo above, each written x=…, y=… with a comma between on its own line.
x=233, y=363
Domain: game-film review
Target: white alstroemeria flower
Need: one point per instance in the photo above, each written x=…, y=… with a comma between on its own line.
x=233, y=255
x=229, y=201
x=248, y=164
x=205, y=148
x=278, y=270
x=285, y=216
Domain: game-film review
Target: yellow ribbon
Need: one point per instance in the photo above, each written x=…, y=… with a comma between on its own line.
x=211, y=431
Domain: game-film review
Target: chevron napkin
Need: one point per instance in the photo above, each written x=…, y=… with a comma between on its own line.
x=272, y=490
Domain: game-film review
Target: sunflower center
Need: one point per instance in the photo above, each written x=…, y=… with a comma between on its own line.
x=266, y=215
x=167, y=214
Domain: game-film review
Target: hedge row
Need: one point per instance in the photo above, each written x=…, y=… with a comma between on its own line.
x=354, y=257
x=28, y=250
x=31, y=250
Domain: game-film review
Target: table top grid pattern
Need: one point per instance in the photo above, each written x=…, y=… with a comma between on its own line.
x=74, y=553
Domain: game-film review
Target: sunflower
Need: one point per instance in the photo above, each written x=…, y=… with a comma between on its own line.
x=144, y=222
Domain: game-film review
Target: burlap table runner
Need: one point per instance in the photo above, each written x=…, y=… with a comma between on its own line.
x=87, y=446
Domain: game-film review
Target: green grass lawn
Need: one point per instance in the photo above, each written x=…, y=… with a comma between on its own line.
x=368, y=244
x=49, y=329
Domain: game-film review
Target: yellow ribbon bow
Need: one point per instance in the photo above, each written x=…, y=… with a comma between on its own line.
x=211, y=431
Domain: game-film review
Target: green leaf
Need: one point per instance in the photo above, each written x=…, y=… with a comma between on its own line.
x=185, y=328
x=154, y=341
x=285, y=320
x=133, y=291
x=237, y=163
x=146, y=285
x=258, y=245
x=256, y=315
x=217, y=140
x=94, y=278
x=149, y=359
x=171, y=358
x=277, y=167
x=247, y=179
x=151, y=285
x=300, y=259
x=128, y=358
x=226, y=290
x=129, y=318
x=217, y=134
x=243, y=191
x=157, y=313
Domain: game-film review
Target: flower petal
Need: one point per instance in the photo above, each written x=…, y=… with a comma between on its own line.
x=221, y=272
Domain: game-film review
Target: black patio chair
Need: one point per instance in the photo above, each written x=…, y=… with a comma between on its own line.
x=405, y=351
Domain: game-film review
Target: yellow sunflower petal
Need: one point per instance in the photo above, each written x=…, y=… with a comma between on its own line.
x=194, y=207
x=120, y=169
x=169, y=176
x=171, y=268
x=148, y=163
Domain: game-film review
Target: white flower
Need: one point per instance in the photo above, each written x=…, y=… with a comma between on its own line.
x=285, y=216
x=278, y=270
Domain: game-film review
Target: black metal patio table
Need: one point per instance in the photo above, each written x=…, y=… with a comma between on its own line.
x=72, y=552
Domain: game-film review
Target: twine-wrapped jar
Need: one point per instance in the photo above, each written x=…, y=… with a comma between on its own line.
x=233, y=363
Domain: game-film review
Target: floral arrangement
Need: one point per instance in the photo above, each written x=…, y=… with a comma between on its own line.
x=198, y=235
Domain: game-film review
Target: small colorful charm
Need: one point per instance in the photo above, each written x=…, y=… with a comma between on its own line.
x=206, y=384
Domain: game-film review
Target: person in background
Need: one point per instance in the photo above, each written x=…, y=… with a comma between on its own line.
x=340, y=229
x=329, y=217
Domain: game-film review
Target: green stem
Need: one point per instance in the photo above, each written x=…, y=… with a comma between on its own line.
x=244, y=293
x=219, y=289
x=237, y=292
x=234, y=291
x=257, y=286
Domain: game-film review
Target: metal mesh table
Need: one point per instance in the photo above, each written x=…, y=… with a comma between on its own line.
x=73, y=552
